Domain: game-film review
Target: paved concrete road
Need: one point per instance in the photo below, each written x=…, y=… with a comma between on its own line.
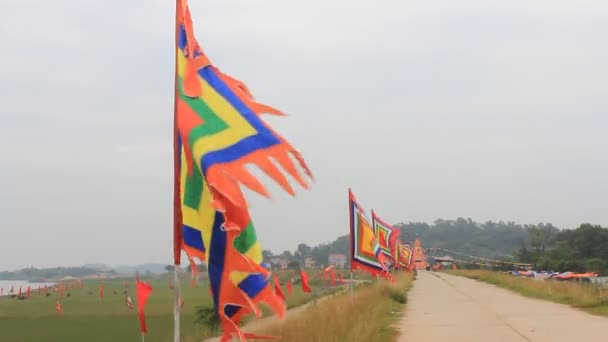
x=445, y=308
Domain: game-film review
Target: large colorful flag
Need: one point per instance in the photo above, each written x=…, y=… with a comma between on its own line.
x=387, y=235
x=365, y=249
x=218, y=131
x=143, y=291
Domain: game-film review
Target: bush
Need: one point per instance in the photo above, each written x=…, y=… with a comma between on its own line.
x=207, y=316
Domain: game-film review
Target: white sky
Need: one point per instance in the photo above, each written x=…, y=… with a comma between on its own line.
x=494, y=110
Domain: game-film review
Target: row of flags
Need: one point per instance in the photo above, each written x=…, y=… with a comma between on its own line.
x=375, y=244
x=218, y=132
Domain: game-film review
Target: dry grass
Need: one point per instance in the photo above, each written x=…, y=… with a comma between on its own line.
x=587, y=297
x=367, y=315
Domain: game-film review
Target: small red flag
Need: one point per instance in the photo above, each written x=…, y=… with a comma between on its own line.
x=58, y=307
x=277, y=288
x=340, y=278
x=332, y=277
x=101, y=289
x=143, y=292
x=27, y=293
x=304, y=278
x=46, y=289
x=38, y=290
x=290, y=286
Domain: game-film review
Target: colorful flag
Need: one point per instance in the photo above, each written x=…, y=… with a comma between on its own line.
x=277, y=288
x=129, y=302
x=218, y=130
x=58, y=307
x=304, y=280
x=365, y=250
x=387, y=235
x=143, y=291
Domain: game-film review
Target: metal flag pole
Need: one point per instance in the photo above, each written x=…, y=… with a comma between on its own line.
x=177, y=215
x=143, y=337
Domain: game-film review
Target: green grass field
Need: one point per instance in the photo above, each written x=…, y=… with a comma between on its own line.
x=87, y=318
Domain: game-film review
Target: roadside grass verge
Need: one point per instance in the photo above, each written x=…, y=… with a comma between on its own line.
x=366, y=315
x=587, y=297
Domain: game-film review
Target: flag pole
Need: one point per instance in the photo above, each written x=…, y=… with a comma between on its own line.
x=143, y=337
x=177, y=215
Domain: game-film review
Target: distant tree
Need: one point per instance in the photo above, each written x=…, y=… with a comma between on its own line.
x=302, y=252
x=169, y=268
x=287, y=255
x=267, y=255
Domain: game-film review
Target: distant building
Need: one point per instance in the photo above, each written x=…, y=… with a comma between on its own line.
x=280, y=263
x=336, y=259
x=309, y=263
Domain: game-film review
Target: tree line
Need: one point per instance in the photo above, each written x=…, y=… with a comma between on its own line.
x=584, y=248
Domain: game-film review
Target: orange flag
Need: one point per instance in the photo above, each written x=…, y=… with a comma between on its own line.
x=101, y=288
x=277, y=288
x=304, y=278
x=332, y=277
x=143, y=292
x=27, y=293
x=453, y=265
x=290, y=286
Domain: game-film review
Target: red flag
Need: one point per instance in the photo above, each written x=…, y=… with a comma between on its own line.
x=27, y=293
x=332, y=277
x=38, y=290
x=19, y=292
x=46, y=289
x=143, y=292
x=304, y=278
x=453, y=265
x=277, y=288
x=101, y=288
x=290, y=286
x=58, y=307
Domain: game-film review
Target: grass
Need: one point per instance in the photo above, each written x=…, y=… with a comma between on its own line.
x=587, y=297
x=87, y=318
x=367, y=315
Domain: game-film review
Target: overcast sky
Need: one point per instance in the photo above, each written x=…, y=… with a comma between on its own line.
x=494, y=110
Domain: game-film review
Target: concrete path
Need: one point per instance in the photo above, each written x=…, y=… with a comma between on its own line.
x=444, y=308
